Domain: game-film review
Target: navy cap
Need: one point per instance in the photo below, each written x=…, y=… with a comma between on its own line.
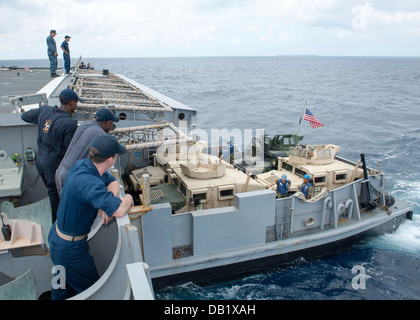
x=68, y=94
x=103, y=115
x=67, y=37
x=108, y=146
x=51, y=31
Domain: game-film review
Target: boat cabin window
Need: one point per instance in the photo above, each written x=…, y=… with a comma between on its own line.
x=226, y=192
x=176, y=181
x=286, y=166
x=200, y=194
x=299, y=172
x=324, y=154
x=340, y=176
x=320, y=180
x=183, y=189
x=302, y=153
x=292, y=151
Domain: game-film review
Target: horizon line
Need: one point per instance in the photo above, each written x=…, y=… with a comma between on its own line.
x=231, y=56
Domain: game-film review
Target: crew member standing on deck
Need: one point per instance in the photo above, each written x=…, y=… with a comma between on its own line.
x=52, y=53
x=283, y=186
x=79, y=146
x=56, y=128
x=66, y=53
x=306, y=187
x=89, y=188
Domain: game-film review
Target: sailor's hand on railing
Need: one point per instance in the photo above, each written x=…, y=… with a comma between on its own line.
x=104, y=216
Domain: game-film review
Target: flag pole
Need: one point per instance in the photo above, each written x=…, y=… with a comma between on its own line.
x=300, y=121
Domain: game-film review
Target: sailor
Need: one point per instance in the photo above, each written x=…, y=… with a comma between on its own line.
x=306, y=187
x=89, y=188
x=231, y=152
x=79, y=146
x=66, y=53
x=56, y=128
x=283, y=186
x=52, y=53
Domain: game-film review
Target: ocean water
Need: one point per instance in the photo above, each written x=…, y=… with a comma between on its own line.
x=367, y=105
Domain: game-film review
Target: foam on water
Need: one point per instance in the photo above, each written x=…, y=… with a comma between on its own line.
x=406, y=237
x=407, y=190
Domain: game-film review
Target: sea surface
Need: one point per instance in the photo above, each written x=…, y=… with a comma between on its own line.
x=367, y=105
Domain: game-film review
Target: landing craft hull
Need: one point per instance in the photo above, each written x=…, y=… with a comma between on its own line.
x=273, y=259
x=259, y=231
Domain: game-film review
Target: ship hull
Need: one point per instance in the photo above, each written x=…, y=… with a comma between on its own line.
x=226, y=269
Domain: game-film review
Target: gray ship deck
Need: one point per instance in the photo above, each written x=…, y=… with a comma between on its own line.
x=17, y=81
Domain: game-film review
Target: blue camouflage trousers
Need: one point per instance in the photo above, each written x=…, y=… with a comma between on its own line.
x=53, y=63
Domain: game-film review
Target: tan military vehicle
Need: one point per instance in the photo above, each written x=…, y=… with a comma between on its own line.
x=195, y=183
x=320, y=163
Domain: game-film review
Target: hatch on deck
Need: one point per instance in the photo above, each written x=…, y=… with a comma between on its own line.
x=314, y=154
x=10, y=176
x=156, y=176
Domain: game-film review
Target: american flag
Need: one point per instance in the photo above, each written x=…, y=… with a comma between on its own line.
x=315, y=123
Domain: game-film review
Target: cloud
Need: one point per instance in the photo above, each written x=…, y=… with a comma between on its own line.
x=370, y=17
x=288, y=38
x=235, y=41
x=306, y=12
x=132, y=28
x=104, y=26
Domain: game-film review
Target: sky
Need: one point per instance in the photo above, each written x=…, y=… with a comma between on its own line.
x=189, y=28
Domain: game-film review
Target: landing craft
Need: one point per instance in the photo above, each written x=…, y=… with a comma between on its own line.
x=206, y=218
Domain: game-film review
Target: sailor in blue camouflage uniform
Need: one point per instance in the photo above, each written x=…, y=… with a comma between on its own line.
x=89, y=188
x=56, y=129
x=52, y=53
x=79, y=146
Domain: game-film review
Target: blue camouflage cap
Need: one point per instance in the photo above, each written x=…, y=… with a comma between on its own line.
x=68, y=94
x=103, y=115
x=107, y=146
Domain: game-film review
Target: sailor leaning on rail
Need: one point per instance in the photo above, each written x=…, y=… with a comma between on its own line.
x=88, y=188
x=79, y=146
x=56, y=129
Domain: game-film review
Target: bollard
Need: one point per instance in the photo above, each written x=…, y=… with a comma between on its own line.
x=145, y=197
